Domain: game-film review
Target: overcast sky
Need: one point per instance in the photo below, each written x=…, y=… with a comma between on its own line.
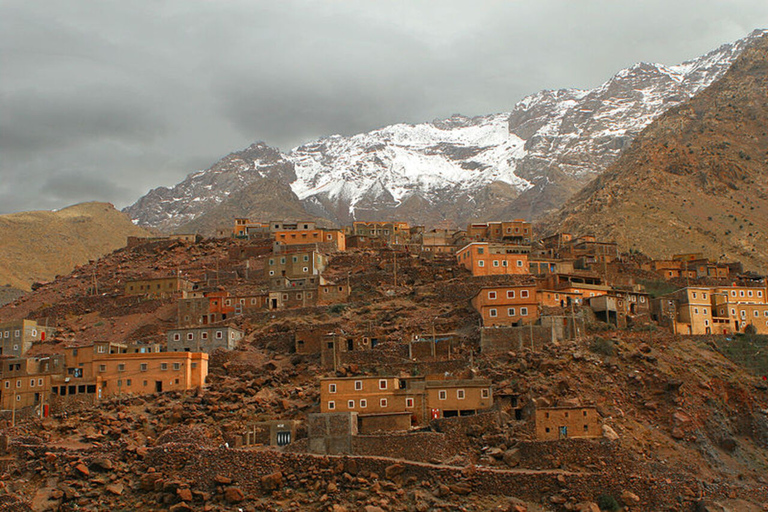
x=104, y=100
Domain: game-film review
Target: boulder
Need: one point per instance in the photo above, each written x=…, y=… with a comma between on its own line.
x=233, y=495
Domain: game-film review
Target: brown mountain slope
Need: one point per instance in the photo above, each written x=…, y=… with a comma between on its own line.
x=695, y=180
x=36, y=246
x=265, y=199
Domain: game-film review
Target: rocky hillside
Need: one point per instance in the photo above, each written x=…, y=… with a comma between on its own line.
x=521, y=163
x=695, y=180
x=39, y=245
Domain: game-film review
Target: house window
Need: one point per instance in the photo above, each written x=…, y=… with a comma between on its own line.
x=121, y=367
x=442, y=394
x=382, y=384
x=190, y=336
x=31, y=383
x=511, y=312
x=495, y=263
x=491, y=295
x=409, y=402
x=510, y=294
x=492, y=313
x=143, y=367
x=194, y=365
x=382, y=402
x=523, y=311
x=331, y=405
x=219, y=335
x=128, y=382
x=163, y=366
x=350, y=404
x=306, y=269
x=39, y=382
x=331, y=388
x=523, y=294
x=519, y=263
x=204, y=335
x=177, y=366
x=460, y=394
x=100, y=349
x=696, y=311
x=102, y=367
x=363, y=403
x=485, y=393
x=358, y=385
x=177, y=337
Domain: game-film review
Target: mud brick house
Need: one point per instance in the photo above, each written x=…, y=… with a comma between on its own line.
x=543, y=266
x=436, y=241
x=158, y=286
x=617, y=306
x=305, y=292
x=99, y=368
x=588, y=251
x=714, y=310
x=17, y=337
x=432, y=347
x=583, y=285
x=556, y=423
x=244, y=228
x=203, y=339
x=381, y=401
x=87, y=373
x=295, y=265
x=391, y=233
x=306, y=233
x=556, y=298
x=553, y=243
x=516, y=231
x=487, y=259
x=25, y=381
x=668, y=269
x=507, y=305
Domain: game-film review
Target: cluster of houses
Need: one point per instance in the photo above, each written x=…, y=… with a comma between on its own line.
x=549, y=277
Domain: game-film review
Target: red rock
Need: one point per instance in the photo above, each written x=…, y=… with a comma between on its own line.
x=233, y=495
x=184, y=494
x=82, y=469
x=116, y=489
x=223, y=480
x=272, y=482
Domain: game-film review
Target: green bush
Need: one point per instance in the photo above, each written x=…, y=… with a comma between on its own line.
x=607, y=502
x=602, y=346
x=336, y=309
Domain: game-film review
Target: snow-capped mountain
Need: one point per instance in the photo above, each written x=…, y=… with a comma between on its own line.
x=521, y=163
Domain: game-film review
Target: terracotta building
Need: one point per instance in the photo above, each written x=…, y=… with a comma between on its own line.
x=203, y=339
x=294, y=265
x=486, y=259
x=334, y=238
x=85, y=374
x=157, y=287
x=507, y=305
x=424, y=398
x=516, y=231
x=555, y=423
x=393, y=232
x=17, y=337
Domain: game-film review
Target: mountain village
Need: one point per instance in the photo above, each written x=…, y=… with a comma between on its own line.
x=398, y=329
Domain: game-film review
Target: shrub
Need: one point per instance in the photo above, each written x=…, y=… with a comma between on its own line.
x=336, y=309
x=607, y=502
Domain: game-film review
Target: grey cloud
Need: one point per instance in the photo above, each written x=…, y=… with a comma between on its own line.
x=105, y=100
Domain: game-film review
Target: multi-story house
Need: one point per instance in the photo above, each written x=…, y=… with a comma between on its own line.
x=158, y=286
x=486, y=259
x=507, y=305
x=295, y=265
x=420, y=398
x=517, y=231
x=203, y=339
x=17, y=337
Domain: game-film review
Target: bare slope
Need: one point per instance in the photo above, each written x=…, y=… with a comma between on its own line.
x=38, y=245
x=694, y=180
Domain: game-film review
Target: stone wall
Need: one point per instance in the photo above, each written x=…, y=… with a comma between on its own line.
x=415, y=446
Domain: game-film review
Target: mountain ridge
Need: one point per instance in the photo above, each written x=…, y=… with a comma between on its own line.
x=549, y=146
